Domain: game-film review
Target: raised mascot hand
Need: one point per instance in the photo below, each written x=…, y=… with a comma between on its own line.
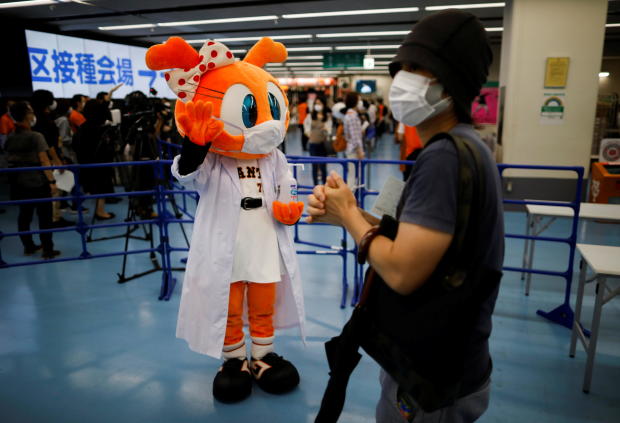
x=289, y=213
x=198, y=124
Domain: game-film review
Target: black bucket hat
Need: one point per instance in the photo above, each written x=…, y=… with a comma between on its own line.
x=454, y=46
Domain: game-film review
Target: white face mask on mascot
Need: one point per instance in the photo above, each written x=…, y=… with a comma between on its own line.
x=415, y=99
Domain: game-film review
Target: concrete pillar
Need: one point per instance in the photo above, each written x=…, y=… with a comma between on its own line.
x=535, y=30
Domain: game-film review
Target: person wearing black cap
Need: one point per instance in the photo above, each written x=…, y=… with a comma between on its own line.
x=436, y=266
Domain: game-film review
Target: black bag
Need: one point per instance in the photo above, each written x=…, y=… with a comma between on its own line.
x=391, y=327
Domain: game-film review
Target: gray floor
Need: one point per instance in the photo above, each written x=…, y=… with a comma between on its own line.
x=75, y=346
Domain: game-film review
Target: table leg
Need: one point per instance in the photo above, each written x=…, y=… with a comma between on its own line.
x=596, y=320
x=530, y=262
x=527, y=242
x=576, y=322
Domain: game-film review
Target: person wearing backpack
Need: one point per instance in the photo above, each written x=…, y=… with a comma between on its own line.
x=435, y=268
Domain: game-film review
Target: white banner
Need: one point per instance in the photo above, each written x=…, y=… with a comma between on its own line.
x=67, y=66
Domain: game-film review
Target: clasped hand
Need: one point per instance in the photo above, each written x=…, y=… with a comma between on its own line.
x=331, y=203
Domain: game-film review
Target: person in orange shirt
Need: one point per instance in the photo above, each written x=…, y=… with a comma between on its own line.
x=302, y=112
x=410, y=146
x=7, y=126
x=76, y=118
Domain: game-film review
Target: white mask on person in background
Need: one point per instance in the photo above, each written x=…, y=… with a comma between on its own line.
x=414, y=99
x=33, y=121
x=360, y=105
x=262, y=138
x=53, y=106
x=318, y=108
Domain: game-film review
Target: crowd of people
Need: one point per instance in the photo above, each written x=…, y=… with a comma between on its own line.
x=44, y=131
x=322, y=122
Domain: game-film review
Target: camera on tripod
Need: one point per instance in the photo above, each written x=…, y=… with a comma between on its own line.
x=142, y=126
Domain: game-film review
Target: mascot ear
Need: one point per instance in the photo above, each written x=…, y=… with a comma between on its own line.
x=174, y=53
x=266, y=51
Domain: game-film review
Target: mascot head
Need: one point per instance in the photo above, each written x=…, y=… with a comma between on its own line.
x=246, y=98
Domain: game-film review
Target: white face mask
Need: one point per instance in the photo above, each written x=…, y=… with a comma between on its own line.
x=263, y=138
x=53, y=106
x=360, y=105
x=318, y=108
x=33, y=121
x=414, y=99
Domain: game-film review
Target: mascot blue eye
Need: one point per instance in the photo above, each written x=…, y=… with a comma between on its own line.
x=274, y=105
x=249, y=111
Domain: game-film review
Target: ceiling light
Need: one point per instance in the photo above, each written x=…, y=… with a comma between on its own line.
x=495, y=29
x=305, y=58
x=612, y=25
x=240, y=50
x=382, y=63
x=117, y=27
x=308, y=49
x=13, y=4
x=256, y=38
x=350, y=12
x=303, y=63
x=376, y=47
x=382, y=56
x=362, y=34
x=466, y=6
x=308, y=68
x=603, y=74
x=218, y=21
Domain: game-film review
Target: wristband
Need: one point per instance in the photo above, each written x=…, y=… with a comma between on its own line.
x=364, y=246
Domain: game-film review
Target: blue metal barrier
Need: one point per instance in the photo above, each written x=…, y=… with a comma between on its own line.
x=563, y=314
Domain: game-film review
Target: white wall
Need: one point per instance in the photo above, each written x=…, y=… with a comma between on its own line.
x=533, y=31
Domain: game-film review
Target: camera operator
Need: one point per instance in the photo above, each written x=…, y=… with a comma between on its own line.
x=146, y=121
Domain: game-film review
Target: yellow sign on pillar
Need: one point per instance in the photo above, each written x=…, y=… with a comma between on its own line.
x=556, y=72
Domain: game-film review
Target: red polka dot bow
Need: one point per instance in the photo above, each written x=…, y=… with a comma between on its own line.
x=185, y=82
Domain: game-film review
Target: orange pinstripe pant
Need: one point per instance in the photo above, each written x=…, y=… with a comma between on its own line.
x=261, y=301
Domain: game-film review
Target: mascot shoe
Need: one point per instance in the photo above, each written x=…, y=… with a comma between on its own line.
x=233, y=381
x=274, y=374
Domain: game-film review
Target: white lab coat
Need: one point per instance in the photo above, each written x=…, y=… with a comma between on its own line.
x=206, y=287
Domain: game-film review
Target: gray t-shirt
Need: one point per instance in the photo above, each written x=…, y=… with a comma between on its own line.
x=430, y=200
x=23, y=148
x=431, y=190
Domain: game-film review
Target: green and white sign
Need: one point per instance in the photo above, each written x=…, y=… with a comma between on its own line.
x=552, y=109
x=343, y=60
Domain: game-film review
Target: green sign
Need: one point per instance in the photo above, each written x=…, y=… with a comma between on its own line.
x=343, y=60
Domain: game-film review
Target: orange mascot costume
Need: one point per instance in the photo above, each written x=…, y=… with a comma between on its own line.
x=242, y=264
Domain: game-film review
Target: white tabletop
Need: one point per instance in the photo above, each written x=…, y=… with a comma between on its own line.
x=609, y=212
x=603, y=259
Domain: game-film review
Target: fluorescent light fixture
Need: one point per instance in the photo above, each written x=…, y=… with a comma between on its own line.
x=382, y=63
x=308, y=49
x=308, y=68
x=30, y=3
x=466, y=6
x=275, y=64
x=362, y=34
x=303, y=63
x=382, y=56
x=275, y=37
x=495, y=29
x=305, y=58
x=603, y=74
x=118, y=27
x=376, y=47
x=256, y=38
x=612, y=25
x=238, y=51
x=218, y=21
x=350, y=12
